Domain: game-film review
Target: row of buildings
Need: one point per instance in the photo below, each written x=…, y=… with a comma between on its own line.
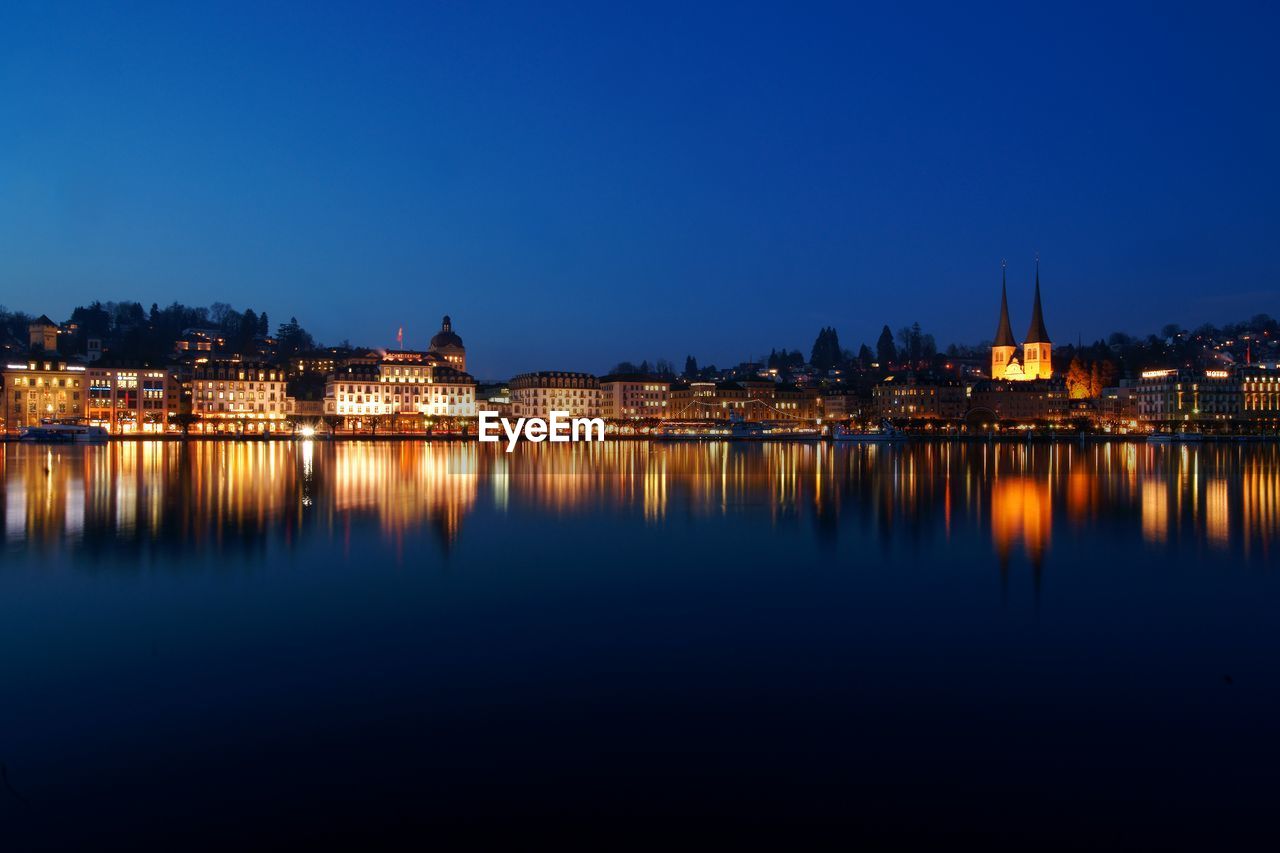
x=205, y=390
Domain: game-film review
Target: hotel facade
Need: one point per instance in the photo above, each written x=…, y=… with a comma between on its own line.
x=405, y=385
x=634, y=396
x=537, y=395
x=42, y=388
x=229, y=395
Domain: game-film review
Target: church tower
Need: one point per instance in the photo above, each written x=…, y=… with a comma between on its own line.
x=1037, y=355
x=1004, y=346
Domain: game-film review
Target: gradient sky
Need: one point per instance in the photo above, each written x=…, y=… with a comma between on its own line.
x=581, y=184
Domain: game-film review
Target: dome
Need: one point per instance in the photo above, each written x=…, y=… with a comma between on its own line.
x=445, y=337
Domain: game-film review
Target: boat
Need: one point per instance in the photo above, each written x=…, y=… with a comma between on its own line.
x=1175, y=437
x=887, y=433
x=63, y=432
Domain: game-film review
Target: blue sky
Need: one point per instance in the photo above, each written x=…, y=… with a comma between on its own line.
x=583, y=183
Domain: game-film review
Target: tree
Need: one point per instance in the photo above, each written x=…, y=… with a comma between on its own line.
x=293, y=338
x=885, y=352
x=826, y=349
x=865, y=356
x=248, y=325
x=219, y=312
x=690, y=367
x=911, y=344
x=664, y=368
x=1078, y=380
x=264, y=326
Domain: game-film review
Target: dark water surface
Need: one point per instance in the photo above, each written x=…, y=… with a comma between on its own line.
x=258, y=641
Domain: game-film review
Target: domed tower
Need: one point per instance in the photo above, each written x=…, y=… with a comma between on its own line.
x=1037, y=350
x=448, y=345
x=1004, y=346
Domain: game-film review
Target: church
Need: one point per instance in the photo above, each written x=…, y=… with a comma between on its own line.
x=1037, y=358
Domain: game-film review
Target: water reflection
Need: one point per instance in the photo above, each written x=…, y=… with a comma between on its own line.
x=228, y=496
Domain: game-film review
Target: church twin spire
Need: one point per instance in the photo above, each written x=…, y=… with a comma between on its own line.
x=1037, y=358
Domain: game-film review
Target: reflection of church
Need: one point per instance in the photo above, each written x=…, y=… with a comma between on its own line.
x=1037, y=359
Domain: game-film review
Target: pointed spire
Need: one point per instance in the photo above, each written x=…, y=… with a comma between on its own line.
x=1037, y=334
x=1004, y=332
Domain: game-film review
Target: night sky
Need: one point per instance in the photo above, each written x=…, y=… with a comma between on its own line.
x=579, y=185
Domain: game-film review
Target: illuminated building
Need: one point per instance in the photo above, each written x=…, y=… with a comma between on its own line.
x=448, y=346
x=1260, y=396
x=402, y=382
x=634, y=396
x=1174, y=396
x=1118, y=405
x=38, y=389
x=749, y=399
x=43, y=334
x=229, y=394
x=536, y=395
x=1024, y=401
x=1037, y=349
x=131, y=399
x=909, y=395
x=841, y=405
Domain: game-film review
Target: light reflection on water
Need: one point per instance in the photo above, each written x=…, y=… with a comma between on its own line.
x=205, y=493
x=360, y=633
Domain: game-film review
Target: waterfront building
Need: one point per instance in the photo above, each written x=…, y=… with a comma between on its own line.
x=1173, y=397
x=1022, y=401
x=536, y=395
x=1260, y=396
x=41, y=388
x=842, y=404
x=131, y=399
x=407, y=385
x=1037, y=349
x=448, y=346
x=1118, y=406
x=230, y=395
x=748, y=399
x=634, y=396
x=911, y=395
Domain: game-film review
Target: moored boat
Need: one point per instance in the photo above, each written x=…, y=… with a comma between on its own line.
x=62, y=432
x=886, y=433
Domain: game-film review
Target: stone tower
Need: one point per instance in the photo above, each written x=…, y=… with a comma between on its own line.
x=1037, y=350
x=1004, y=346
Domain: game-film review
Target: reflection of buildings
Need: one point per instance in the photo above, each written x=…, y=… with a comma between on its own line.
x=201, y=498
x=1021, y=511
x=405, y=484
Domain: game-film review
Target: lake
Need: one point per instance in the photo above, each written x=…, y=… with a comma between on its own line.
x=220, y=641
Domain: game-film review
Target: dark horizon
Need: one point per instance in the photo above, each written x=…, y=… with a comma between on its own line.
x=577, y=187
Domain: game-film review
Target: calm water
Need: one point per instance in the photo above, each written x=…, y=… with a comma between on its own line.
x=237, y=640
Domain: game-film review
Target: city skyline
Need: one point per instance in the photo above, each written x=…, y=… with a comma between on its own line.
x=552, y=173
